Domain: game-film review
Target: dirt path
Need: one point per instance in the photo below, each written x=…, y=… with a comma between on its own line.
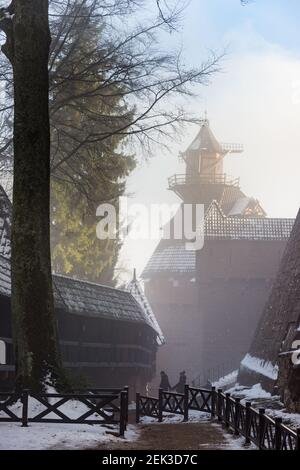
x=179, y=436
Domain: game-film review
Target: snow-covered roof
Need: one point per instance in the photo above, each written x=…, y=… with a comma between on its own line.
x=78, y=297
x=90, y=299
x=219, y=226
x=5, y=286
x=86, y=298
x=260, y=366
x=135, y=288
x=172, y=256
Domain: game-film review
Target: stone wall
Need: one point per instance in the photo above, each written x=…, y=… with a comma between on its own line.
x=280, y=318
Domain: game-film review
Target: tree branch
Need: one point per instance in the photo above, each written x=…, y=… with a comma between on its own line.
x=6, y=25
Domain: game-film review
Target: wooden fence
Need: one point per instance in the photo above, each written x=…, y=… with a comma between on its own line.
x=241, y=419
x=172, y=402
x=103, y=406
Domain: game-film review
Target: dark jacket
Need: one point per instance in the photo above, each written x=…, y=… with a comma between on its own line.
x=164, y=382
x=180, y=386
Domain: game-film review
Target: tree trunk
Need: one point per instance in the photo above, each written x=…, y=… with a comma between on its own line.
x=34, y=322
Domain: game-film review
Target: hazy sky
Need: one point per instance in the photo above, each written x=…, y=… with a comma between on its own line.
x=254, y=101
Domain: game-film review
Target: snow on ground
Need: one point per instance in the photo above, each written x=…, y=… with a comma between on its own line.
x=260, y=366
x=236, y=443
x=59, y=436
x=41, y=436
x=272, y=404
x=291, y=419
x=255, y=392
x=194, y=417
x=227, y=380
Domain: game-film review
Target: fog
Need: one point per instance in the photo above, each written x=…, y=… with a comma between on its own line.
x=254, y=100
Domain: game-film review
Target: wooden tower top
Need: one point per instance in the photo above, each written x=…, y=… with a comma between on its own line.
x=204, y=167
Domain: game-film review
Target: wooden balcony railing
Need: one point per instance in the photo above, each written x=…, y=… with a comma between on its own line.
x=184, y=180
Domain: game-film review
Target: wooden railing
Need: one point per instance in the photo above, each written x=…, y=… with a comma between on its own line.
x=103, y=406
x=214, y=374
x=242, y=419
x=265, y=432
x=183, y=179
x=173, y=402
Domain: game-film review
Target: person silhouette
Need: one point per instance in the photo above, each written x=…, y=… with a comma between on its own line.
x=164, y=381
x=179, y=387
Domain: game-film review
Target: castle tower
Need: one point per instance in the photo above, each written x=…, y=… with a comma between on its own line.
x=204, y=168
x=208, y=302
x=204, y=180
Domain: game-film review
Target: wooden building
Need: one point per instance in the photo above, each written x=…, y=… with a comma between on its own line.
x=108, y=336
x=208, y=302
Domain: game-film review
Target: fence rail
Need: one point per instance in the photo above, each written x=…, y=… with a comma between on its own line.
x=183, y=179
x=213, y=374
x=242, y=419
x=110, y=407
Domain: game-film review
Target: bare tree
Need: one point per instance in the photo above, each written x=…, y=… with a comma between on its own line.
x=122, y=64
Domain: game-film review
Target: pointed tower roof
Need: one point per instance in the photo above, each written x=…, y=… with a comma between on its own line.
x=205, y=140
x=136, y=290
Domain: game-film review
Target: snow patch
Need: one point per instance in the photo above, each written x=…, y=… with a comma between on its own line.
x=260, y=366
x=194, y=417
x=39, y=436
x=291, y=419
x=236, y=443
x=228, y=379
x=255, y=392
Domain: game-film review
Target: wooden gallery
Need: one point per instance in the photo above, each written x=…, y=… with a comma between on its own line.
x=108, y=336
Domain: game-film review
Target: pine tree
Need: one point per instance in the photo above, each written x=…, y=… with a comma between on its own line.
x=96, y=172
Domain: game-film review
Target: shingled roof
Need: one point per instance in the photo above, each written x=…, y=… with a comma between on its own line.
x=205, y=139
x=5, y=286
x=86, y=298
x=76, y=296
x=135, y=288
x=172, y=256
x=219, y=226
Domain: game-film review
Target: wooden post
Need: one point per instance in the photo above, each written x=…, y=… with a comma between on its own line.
x=248, y=422
x=24, y=399
x=160, y=405
x=227, y=410
x=261, y=427
x=126, y=389
x=213, y=402
x=137, y=408
x=237, y=410
x=123, y=403
x=219, y=404
x=186, y=403
x=298, y=439
x=278, y=433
